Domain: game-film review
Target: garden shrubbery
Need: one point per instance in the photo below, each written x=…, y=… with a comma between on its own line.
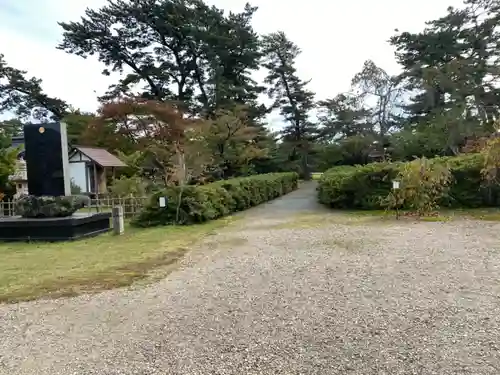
x=31, y=206
x=366, y=186
x=198, y=204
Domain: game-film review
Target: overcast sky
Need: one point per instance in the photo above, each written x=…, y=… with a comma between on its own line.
x=336, y=37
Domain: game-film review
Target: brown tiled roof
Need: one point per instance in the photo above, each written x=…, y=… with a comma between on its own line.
x=101, y=156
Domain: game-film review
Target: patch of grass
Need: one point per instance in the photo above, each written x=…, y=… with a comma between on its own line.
x=94, y=209
x=441, y=216
x=367, y=213
x=34, y=270
x=312, y=220
x=487, y=214
x=435, y=219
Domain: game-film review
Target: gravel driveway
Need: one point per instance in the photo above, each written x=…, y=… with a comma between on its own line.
x=271, y=296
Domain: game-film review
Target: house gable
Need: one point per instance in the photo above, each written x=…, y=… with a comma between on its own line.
x=77, y=156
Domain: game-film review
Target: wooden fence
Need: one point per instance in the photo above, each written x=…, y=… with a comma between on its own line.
x=131, y=205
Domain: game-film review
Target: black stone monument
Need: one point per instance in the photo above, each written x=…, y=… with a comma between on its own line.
x=46, y=153
x=47, y=164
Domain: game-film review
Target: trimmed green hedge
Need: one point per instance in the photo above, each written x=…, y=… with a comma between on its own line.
x=215, y=200
x=362, y=187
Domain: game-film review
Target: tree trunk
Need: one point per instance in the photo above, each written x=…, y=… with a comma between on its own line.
x=179, y=201
x=305, y=166
x=181, y=180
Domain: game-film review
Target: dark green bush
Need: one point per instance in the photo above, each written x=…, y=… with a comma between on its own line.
x=44, y=207
x=356, y=187
x=207, y=202
x=362, y=187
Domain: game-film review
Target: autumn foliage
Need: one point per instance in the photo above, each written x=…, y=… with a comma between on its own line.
x=173, y=143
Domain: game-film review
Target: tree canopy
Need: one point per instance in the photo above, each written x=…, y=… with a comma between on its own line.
x=197, y=63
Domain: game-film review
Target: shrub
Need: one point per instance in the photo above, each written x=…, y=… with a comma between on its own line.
x=128, y=186
x=75, y=189
x=207, y=202
x=422, y=186
x=44, y=207
x=356, y=187
x=363, y=187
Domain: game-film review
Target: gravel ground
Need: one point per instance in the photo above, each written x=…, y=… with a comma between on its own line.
x=375, y=298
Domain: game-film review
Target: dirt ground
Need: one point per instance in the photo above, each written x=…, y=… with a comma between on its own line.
x=290, y=288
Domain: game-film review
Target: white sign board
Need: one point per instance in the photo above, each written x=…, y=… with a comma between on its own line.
x=162, y=201
x=395, y=184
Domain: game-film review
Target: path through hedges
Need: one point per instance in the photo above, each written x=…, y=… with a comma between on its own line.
x=289, y=289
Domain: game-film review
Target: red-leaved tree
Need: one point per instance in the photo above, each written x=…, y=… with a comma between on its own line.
x=173, y=142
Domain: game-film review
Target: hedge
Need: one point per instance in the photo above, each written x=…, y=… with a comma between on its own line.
x=362, y=187
x=215, y=200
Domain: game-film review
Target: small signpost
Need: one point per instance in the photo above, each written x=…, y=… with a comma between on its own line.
x=163, y=201
x=395, y=187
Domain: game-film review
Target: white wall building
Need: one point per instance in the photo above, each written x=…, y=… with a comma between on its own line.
x=89, y=168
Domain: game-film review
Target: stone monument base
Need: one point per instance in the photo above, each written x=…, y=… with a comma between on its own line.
x=77, y=226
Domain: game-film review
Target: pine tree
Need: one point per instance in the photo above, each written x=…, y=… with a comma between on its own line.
x=290, y=95
x=452, y=67
x=183, y=51
x=23, y=95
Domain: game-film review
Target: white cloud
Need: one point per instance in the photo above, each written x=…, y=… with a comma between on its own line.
x=336, y=37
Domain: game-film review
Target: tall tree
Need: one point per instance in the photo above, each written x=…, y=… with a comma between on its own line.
x=77, y=123
x=10, y=128
x=172, y=50
x=25, y=96
x=233, y=142
x=175, y=144
x=374, y=84
x=342, y=117
x=8, y=159
x=290, y=95
x=452, y=67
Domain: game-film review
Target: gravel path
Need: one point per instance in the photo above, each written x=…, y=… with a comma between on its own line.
x=268, y=296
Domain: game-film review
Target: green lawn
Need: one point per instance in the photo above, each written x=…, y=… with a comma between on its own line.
x=94, y=209
x=487, y=214
x=317, y=175
x=33, y=270
x=363, y=217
